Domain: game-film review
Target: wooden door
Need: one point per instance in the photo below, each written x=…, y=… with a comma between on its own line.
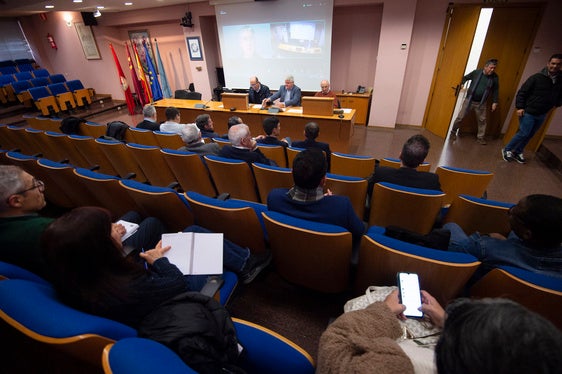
x=456, y=41
x=509, y=39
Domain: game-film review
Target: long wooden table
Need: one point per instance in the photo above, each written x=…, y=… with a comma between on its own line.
x=333, y=130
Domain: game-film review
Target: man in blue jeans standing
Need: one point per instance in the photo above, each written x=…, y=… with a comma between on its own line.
x=540, y=93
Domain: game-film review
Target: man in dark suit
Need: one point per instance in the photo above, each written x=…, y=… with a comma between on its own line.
x=243, y=146
x=149, y=121
x=288, y=95
x=191, y=135
x=413, y=153
x=272, y=129
x=311, y=131
x=258, y=91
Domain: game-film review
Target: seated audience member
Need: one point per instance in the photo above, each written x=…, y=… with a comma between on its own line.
x=533, y=244
x=413, y=153
x=307, y=200
x=205, y=124
x=149, y=121
x=478, y=336
x=21, y=225
x=288, y=95
x=191, y=136
x=325, y=91
x=172, y=123
x=272, y=129
x=233, y=120
x=311, y=131
x=149, y=293
x=257, y=92
x=243, y=146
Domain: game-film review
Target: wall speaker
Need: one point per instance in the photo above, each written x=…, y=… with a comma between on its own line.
x=89, y=19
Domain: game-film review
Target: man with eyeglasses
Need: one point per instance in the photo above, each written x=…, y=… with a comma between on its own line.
x=21, y=226
x=258, y=91
x=534, y=242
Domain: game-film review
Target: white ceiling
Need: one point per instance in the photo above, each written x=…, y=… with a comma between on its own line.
x=17, y=8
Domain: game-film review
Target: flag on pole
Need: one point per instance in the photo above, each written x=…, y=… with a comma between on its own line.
x=166, y=91
x=142, y=76
x=124, y=84
x=152, y=77
x=141, y=95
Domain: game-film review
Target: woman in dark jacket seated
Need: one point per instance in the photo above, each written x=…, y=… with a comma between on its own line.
x=92, y=274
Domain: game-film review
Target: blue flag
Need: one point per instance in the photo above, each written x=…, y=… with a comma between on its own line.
x=163, y=79
x=153, y=78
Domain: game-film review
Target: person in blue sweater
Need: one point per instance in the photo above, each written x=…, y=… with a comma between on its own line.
x=307, y=199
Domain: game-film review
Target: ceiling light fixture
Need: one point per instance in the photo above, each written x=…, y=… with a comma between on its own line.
x=49, y=6
x=128, y=3
x=97, y=13
x=76, y=1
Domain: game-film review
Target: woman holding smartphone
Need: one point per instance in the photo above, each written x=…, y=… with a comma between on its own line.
x=479, y=336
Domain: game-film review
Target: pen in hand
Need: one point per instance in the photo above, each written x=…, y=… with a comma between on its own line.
x=145, y=263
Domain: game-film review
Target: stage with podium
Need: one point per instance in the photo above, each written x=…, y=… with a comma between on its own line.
x=335, y=129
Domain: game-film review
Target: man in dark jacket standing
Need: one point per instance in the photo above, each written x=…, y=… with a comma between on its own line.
x=540, y=93
x=484, y=83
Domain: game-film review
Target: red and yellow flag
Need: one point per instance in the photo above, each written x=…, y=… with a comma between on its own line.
x=142, y=75
x=124, y=84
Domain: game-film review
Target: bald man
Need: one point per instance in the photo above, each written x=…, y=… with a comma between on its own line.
x=327, y=92
x=257, y=92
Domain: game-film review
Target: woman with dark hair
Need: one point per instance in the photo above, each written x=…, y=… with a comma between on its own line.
x=91, y=273
x=497, y=336
x=478, y=337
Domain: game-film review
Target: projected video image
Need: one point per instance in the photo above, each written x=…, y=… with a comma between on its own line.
x=301, y=37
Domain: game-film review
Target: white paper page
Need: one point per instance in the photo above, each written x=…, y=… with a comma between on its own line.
x=130, y=228
x=180, y=253
x=207, y=253
x=255, y=106
x=293, y=110
x=347, y=110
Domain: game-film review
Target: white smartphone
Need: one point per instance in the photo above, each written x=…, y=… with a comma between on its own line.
x=409, y=291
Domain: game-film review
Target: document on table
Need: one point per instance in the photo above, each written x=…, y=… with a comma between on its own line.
x=195, y=253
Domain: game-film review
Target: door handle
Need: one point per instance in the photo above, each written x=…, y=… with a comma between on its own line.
x=457, y=89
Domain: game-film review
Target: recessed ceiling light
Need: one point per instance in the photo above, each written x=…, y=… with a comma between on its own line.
x=100, y=7
x=128, y=4
x=49, y=6
x=76, y=1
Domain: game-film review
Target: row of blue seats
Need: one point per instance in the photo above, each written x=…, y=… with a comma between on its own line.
x=18, y=65
x=38, y=314
x=298, y=246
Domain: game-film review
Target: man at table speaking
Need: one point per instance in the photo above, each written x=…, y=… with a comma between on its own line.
x=288, y=95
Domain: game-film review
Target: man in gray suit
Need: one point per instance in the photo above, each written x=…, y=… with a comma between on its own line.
x=288, y=95
x=191, y=135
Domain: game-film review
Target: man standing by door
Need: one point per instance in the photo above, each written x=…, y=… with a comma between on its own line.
x=540, y=93
x=484, y=82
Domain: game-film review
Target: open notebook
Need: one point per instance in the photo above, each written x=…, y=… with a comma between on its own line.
x=195, y=253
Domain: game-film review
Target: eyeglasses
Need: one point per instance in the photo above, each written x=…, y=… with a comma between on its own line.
x=38, y=184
